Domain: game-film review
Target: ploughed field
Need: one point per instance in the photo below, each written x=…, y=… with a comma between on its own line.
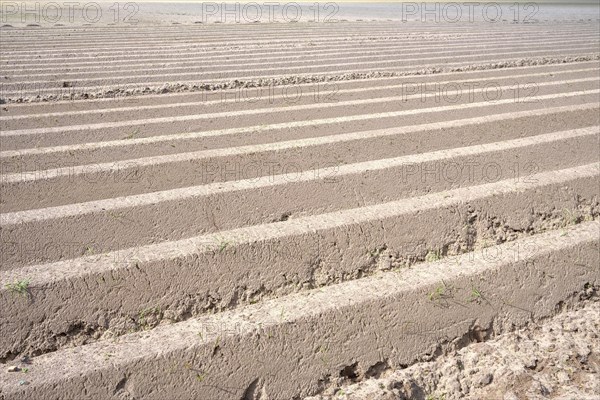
x=274, y=210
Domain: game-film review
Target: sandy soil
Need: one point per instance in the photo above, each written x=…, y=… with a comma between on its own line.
x=556, y=359
x=322, y=180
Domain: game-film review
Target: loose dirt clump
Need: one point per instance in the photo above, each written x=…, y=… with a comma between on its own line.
x=119, y=92
x=557, y=359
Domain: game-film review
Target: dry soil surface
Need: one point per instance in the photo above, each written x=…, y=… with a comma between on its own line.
x=558, y=359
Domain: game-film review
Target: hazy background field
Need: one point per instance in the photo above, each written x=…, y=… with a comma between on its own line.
x=111, y=13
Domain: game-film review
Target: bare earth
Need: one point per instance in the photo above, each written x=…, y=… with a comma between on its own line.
x=362, y=208
x=556, y=359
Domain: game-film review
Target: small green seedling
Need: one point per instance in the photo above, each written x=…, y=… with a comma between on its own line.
x=20, y=287
x=323, y=350
x=433, y=256
x=116, y=216
x=376, y=252
x=434, y=397
x=439, y=292
x=132, y=134
x=223, y=246
x=200, y=375
x=216, y=346
x=282, y=314
x=571, y=217
x=486, y=243
x=475, y=295
x=142, y=315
